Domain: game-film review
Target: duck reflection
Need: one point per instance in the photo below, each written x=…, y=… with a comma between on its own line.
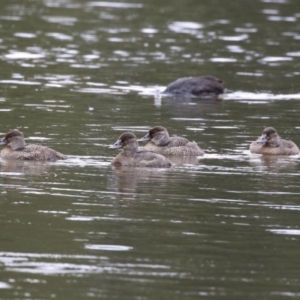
x=183, y=160
x=24, y=167
x=128, y=179
x=274, y=163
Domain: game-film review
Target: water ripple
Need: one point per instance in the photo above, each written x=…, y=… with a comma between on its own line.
x=23, y=55
x=285, y=231
x=114, y=4
x=63, y=20
x=20, y=82
x=108, y=247
x=34, y=264
x=237, y=38
x=185, y=27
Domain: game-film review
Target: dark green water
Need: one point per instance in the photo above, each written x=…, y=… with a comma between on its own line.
x=74, y=76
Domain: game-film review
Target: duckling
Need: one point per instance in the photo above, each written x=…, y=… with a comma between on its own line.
x=161, y=143
x=17, y=149
x=270, y=143
x=203, y=86
x=132, y=156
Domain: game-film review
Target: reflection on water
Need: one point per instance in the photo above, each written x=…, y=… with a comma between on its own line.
x=183, y=160
x=128, y=179
x=24, y=167
x=274, y=163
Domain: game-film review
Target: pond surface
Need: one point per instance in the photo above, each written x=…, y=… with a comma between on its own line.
x=77, y=74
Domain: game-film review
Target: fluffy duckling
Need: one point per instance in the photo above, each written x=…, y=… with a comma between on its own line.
x=17, y=149
x=161, y=143
x=270, y=143
x=203, y=86
x=132, y=156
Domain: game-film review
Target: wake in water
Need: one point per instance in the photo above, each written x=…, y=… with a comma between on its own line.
x=240, y=95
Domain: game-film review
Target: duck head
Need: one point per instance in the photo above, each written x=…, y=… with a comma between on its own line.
x=269, y=136
x=158, y=135
x=125, y=140
x=14, y=140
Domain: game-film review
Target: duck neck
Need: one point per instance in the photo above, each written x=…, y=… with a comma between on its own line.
x=131, y=148
x=274, y=143
x=161, y=139
x=17, y=144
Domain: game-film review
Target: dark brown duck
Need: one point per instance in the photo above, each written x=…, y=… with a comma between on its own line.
x=270, y=143
x=16, y=148
x=132, y=156
x=162, y=143
x=202, y=86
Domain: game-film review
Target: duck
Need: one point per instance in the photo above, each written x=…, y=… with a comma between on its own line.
x=201, y=86
x=162, y=143
x=270, y=143
x=131, y=155
x=16, y=148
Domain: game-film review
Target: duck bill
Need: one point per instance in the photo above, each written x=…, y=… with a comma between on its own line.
x=2, y=142
x=144, y=138
x=262, y=139
x=116, y=145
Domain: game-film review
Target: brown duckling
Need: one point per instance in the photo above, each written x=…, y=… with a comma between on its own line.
x=270, y=143
x=162, y=143
x=203, y=86
x=17, y=149
x=132, y=156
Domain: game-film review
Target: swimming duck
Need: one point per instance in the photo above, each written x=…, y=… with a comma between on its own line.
x=16, y=148
x=203, y=86
x=132, y=156
x=270, y=143
x=161, y=143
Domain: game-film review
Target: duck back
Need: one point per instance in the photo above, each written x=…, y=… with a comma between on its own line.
x=197, y=86
x=176, y=146
x=32, y=152
x=142, y=158
x=285, y=148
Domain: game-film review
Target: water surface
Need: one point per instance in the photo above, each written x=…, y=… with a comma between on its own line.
x=77, y=74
